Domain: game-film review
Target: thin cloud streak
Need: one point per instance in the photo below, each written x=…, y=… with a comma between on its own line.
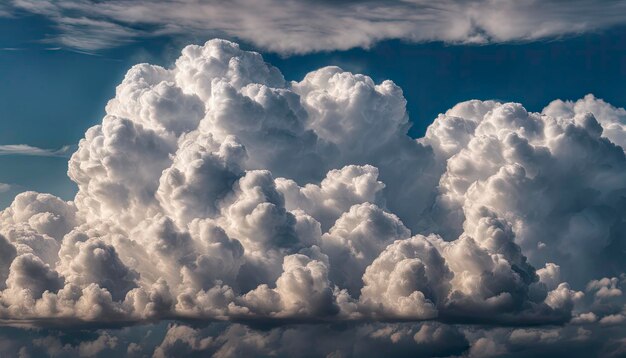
x=25, y=149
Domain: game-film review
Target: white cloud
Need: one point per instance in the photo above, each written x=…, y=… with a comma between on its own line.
x=612, y=119
x=25, y=149
x=216, y=190
x=305, y=26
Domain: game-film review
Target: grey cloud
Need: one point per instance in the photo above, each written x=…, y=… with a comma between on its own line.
x=28, y=272
x=306, y=26
x=400, y=340
x=364, y=340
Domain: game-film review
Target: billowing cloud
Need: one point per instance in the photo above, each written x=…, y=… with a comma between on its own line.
x=216, y=190
x=306, y=26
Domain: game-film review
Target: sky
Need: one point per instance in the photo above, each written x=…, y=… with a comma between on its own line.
x=427, y=179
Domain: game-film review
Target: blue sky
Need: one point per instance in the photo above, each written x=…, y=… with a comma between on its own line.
x=51, y=93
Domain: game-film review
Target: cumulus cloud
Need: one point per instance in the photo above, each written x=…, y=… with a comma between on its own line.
x=216, y=190
x=612, y=119
x=306, y=26
x=510, y=151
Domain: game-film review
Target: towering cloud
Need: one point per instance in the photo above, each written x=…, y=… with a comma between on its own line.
x=217, y=190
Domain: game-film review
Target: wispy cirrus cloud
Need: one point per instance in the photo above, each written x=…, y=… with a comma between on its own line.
x=5, y=11
x=306, y=26
x=25, y=149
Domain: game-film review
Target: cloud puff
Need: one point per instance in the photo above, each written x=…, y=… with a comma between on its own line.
x=612, y=119
x=568, y=168
x=216, y=190
x=305, y=26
